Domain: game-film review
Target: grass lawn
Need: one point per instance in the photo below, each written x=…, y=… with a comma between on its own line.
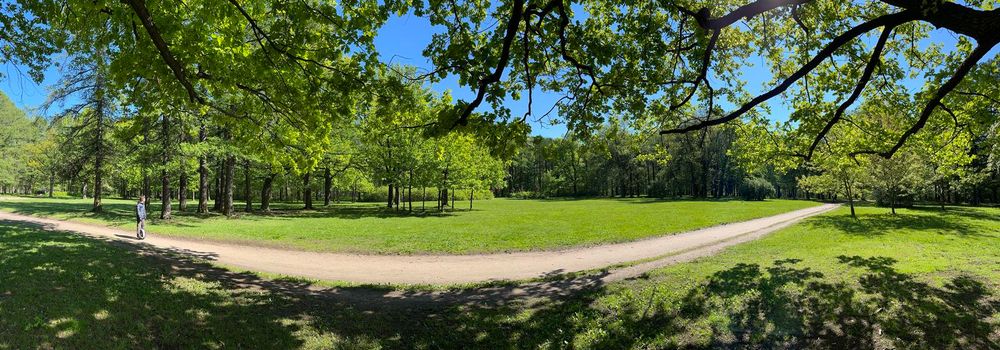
x=920, y=280
x=494, y=226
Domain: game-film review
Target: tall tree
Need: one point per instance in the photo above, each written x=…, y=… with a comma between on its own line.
x=94, y=113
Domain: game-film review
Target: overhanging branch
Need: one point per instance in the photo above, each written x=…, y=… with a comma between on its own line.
x=828, y=51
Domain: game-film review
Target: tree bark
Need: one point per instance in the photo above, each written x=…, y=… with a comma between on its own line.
x=227, y=186
x=164, y=174
x=219, y=182
x=182, y=191
x=307, y=191
x=265, y=192
x=246, y=186
x=98, y=150
x=395, y=198
x=388, y=197
x=327, y=186
x=202, y=173
x=850, y=197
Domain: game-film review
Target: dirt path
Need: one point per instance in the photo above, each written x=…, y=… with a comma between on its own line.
x=444, y=269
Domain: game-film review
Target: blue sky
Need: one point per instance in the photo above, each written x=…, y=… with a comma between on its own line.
x=401, y=41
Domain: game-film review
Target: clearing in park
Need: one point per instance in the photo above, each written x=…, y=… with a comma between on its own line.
x=514, y=174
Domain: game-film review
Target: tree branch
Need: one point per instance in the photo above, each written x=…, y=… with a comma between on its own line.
x=512, y=25
x=139, y=7
x=862, y=82
x=886, y=20
x=978, y=53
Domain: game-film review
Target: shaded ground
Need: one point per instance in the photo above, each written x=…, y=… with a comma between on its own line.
x=814, y=285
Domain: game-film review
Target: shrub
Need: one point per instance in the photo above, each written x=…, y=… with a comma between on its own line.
x=527, y=195
x=756, y=189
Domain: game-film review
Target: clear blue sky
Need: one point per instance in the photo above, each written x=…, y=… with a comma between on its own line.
x=401, y=41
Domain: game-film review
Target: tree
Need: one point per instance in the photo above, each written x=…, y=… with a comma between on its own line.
x=896, y=181
x=18, y=131
x=95, y=114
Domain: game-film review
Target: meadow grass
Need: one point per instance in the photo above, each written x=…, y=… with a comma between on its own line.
x=923, y=279
x=497, y=225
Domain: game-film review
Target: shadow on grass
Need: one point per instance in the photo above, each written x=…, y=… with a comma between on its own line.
x=63, y=290
x=355, y=212
x=980, y=213
x=785, y=306
x=124, y=213
x=957, y=223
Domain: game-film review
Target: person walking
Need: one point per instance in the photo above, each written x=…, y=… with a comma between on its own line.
x=140, y=218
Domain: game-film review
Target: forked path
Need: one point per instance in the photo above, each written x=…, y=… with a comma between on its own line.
x=444, y=269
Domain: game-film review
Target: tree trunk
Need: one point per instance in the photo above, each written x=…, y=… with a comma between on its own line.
x=307, y=191
x=52, y=183
x=227, y=186
x=444, y=198
x=471, y=193
x=327, y=184
x=98, y=146
x=388, y=197
x=892, y=203
x=202, y=174
x=850, y=197
x=182, y=191
x=265, y=192
x=396, y=198
x=247, y=191
x=164, y=174
x=219, y=180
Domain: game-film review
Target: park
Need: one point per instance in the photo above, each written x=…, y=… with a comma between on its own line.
x=273, y=174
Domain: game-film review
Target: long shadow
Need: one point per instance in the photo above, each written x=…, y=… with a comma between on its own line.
x=879, y=224
x=981, y=213
x=785, y=306
x=353, y=212
x=123, y=213
x=63, y=290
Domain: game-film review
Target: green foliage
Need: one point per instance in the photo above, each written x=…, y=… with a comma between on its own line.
x=756, y=189
x=16, y=136
x=526, y=195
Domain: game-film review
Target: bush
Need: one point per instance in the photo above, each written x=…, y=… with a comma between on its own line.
x=756, y=189
x=527, y=195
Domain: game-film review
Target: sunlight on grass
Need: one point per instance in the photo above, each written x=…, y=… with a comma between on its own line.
x=828, y=282
x=495, y=226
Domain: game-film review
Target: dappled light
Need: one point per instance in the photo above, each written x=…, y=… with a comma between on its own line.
x=70, y=290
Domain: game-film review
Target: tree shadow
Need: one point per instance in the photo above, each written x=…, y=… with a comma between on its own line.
x=879, y=224
x=785, y=306
x=980, y=213
x=115, y=213
x=353, y=212
x=63, y=290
